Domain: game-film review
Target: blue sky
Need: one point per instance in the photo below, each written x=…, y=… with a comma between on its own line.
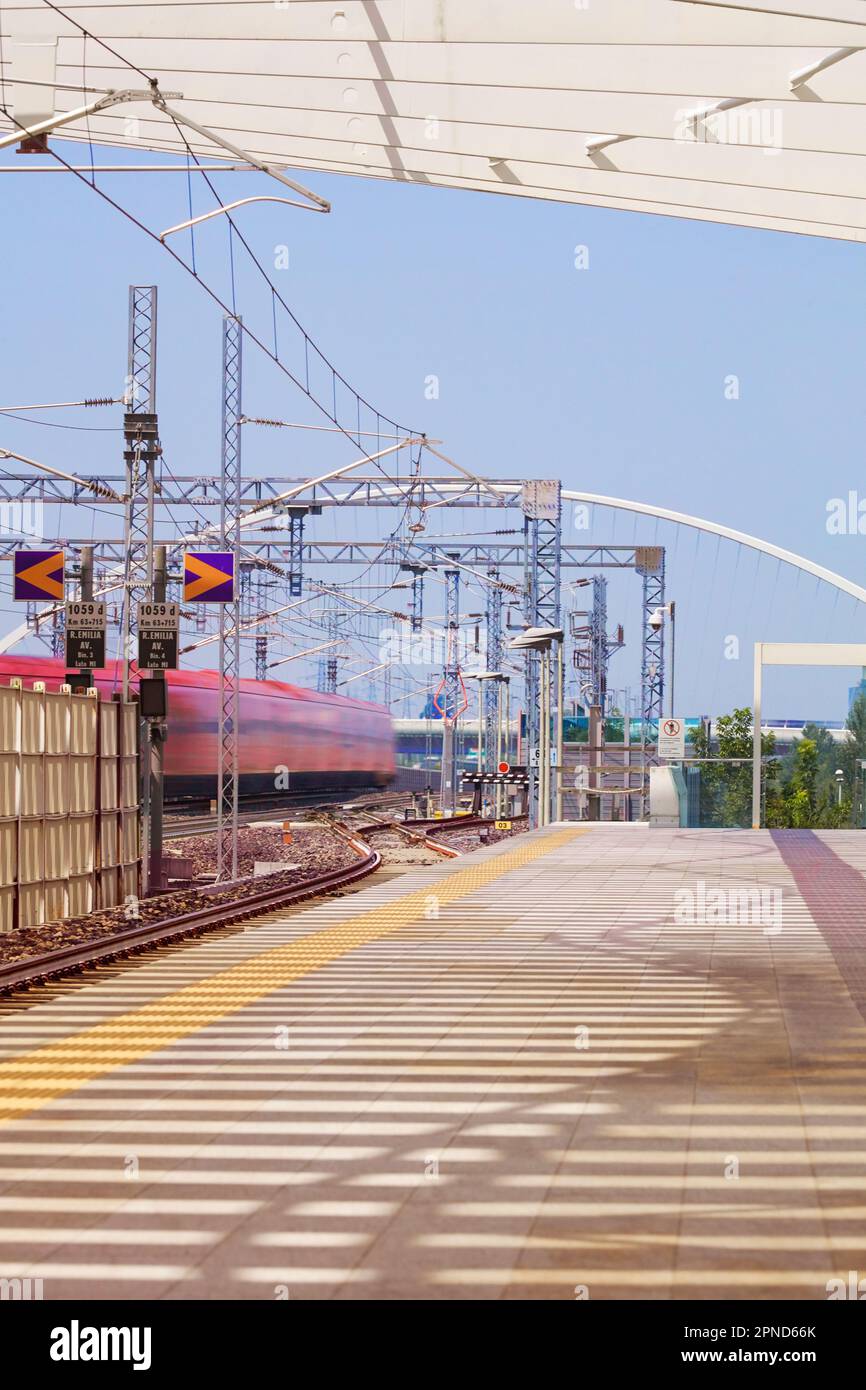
x=610, y=377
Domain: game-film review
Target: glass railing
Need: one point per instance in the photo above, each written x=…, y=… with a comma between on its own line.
x=715, y=794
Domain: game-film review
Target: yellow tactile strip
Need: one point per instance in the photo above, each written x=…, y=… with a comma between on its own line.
x=35, y=1078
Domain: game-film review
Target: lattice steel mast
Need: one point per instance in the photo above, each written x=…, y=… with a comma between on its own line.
x=230, y=613
x=141, y=450
x=141, y=440
x=448, y=696
x=542, y=507
x=490, y=692
x=650, y=562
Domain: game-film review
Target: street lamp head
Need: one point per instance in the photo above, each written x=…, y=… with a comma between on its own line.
x=536, y=639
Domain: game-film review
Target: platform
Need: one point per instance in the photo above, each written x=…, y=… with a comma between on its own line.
x=593, y=1061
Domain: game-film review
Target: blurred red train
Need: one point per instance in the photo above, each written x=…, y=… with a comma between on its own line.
x=290, y=739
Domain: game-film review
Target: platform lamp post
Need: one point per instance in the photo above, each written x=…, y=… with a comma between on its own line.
x=542, y=640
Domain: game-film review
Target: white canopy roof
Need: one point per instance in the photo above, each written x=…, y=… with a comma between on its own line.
x=495, y=95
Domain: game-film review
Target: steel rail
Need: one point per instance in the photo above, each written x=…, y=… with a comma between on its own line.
x=422, y=841
x=73, y=959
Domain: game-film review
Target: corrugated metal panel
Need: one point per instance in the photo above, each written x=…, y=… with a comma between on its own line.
x=50, y=780
x=32, y=721
x=108, y=790
x=83, y=725
x=108, y=729
x=129, y=833
x=109, y=887
x=31, y=904
x=56, y=780
x=56, y=722
x=32, y=785
x=8, y=852
x=31, y=856
x=82, y=844
x=55, y=830
x=109, y=839
x=82, y=896
x=129, y=731
x=8, y=719
x=8, y=897
x=8, y=784
x=55, y=900
x=129, y=882
x=129, y=782
x=82, y=784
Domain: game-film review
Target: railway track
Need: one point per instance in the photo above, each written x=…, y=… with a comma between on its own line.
x=80, y=956
x=252, y=901
x=412, y=837
x=445, y=824
x=181, y=824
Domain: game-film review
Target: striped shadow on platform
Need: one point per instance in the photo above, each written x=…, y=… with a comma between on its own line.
x=35, y=1078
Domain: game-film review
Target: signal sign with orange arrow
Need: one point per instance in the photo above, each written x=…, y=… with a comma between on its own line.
x=38, y=574
x=208, y=576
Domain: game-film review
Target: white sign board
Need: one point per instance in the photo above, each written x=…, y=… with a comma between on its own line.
x=159, y=616
x=672, y=739
x=84, y=643
x=535, y=756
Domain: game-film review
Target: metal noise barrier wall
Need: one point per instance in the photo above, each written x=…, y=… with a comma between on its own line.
x=69, y=808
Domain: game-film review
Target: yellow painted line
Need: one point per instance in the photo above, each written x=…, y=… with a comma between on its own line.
x=35, y=1078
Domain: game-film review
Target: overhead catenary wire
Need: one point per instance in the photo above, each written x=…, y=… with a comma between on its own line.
x=232, y=311
x=336, y=376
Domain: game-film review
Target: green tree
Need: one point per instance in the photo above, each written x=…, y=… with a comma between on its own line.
x=799, y=812
x=807, y=793
x=804, y=779
x=827, y=761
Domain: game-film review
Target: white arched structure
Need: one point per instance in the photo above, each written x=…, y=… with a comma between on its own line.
x=846, y=586
x=696, y=523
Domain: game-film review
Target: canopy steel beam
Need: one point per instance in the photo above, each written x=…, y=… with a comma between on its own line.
x=428, y=554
